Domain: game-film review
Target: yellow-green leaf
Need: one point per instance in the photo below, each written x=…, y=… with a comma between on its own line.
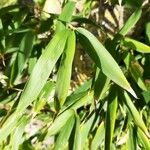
x=65, y=70
x=111, y=117
x=59, y=122
x=136, y=45
x=131, y=22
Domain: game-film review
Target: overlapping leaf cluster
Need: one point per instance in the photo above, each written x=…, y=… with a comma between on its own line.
x=109, y=111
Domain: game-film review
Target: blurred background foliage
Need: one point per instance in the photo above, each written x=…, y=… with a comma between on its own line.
x=65, y=67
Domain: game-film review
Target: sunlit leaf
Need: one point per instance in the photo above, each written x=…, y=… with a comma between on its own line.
x=111, y=117
x=99, y=137
x=64, y=134
x=103, y=59
x=135, y=114
x=17, y=138
x=136, y=45
x=131, y=142
x=59, y=122
x=37, y=79
x=143, y=139
x=130, y=23
x=42, y=70
x=65, y=70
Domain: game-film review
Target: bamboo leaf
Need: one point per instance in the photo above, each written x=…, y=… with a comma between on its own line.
x=17, y=138
x=148, y=31
x=136, y=45
x=101, y=84
x=37, y=80
x=65, y=70
x=64, y=134
x=135, y=114
x=143, y=139
x=99, y=137
x=77, y=138
x=43, y=96
x=9, y=126
x=42, y=70
x=131, y=142
x=59, y=122
x=24, y=52
x=131, y=22
x=65, y=16
x=85, y=129
x=135, y=70
x=82, y=101
x=111, y=117
x=78, y=95
x=103, y=59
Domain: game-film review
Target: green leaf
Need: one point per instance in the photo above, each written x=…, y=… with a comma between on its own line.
x=99, y=137
x=135, y=114
x=83, y=101
x=85, y=129
x=65, y=16
x=135, y=70
x=37, y=80
x=77, y=136
x=59, y=122
x=64, y=72
x=103, y=59
x=17, y=138
x=101, y=84
x=111, y=117
x=5, y=3
x=143, y=139
x=131, y=142
x=9, y=126
x=136, y=45
x=131, y=22
x=77, y=95
x=64, y=134
x=43, y=97
x=24, y=53
x=148, y=31
x=42, y=70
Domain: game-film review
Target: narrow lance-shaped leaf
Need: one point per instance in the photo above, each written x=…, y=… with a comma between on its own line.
x=103, y=59
x=143, y=139
x=65, y=16
x=59, y=122
x=64, y=72
x=136, y=45
x=24, y=52
x=77, y=136
x=83, y=101
x=42, y=70
x=17, y=137
x=111, y=117
x=101, y=84
x=131, y=22
x=131, y=142
x=99, y=137
x=64, y=134
x=135, y=114
x=85, y=129
x=148, y=31
x=135, y=70
x=8, y=126
x=37, y=80
x=43, y=96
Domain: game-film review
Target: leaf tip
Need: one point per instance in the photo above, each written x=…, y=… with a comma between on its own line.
x=130, y=90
